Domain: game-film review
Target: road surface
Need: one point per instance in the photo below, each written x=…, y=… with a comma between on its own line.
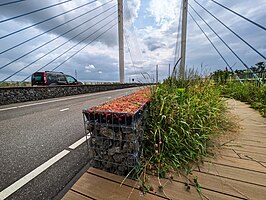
x=42, y=144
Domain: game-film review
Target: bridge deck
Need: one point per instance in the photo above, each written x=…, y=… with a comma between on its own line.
x=237, y=172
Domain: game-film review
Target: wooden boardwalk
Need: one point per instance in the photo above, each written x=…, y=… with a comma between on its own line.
x=237, y=172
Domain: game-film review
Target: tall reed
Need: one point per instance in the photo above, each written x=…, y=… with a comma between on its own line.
x=183, y=116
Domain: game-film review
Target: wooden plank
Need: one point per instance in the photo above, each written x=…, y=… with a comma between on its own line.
x=252, y=156
x=100, y=188
x=243, y=150
x=238, y=163
x=248, y=142
x=232, y=187
x=172, y=190
x=244, y=155
x=235, y=173
x=247, y=145
x=176, y=191
x=251, y=138
x=251, y=134
x=247, y=149
x=71, y=195
x=111, y=176
x=227, y=152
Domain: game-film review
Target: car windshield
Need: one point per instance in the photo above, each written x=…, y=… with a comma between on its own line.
x=37, y=76
x=70, y=79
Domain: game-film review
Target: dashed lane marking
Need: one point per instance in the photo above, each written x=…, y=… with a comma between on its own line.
x=79, y=142
x=25, y=179
x=10, y=108
x=65, y=109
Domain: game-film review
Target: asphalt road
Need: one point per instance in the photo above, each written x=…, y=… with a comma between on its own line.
x=36, y=160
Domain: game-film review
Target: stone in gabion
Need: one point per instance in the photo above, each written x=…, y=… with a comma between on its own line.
x=113, y=149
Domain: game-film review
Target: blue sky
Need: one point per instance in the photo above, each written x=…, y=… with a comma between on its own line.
x=150, y=38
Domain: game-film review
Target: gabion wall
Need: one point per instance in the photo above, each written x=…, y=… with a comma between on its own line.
x=115, y=140
x=10, y=95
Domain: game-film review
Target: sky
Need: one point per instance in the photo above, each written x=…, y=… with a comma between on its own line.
x=83, y=42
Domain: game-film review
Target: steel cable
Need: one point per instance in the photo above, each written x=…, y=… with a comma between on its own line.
x=85, y=46
x=59, y=47
x=214, y=46
x=254, y=74
x=12, y=2
x=22, y=15
x=45, y=44
x=256, y=24
x=27, y=27
x=238, y=36
x=17, y=45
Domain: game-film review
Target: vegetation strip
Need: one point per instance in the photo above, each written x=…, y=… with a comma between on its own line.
x=129, y=104
x=250, y=91
x=183, y=120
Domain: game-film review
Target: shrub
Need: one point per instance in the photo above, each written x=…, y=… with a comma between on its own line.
x=252, y=93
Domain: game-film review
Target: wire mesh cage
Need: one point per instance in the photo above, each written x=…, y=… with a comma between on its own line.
x=115, y=139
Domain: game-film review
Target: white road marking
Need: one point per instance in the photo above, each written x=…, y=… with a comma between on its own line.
x=21, y=182
x=64, y=109
x=79, y=142
x=10, y=108
x=109, y=97
x=57, y=100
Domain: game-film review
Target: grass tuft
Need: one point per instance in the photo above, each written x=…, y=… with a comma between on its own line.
x=182, y=118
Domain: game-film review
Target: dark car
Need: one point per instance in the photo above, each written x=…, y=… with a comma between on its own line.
x=53, y=78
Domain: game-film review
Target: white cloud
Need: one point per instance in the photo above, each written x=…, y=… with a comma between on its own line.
x=163, y=11
x=131, y=10
x=89, y=67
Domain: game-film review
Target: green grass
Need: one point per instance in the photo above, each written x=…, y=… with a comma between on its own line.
x=252, y=93
x=183, y=116
x=14, y=84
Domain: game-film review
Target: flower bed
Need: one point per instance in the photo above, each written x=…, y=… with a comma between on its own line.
x=129, y=104
x=116, y=132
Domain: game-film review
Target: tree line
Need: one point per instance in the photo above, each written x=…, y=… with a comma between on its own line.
x=222, y=76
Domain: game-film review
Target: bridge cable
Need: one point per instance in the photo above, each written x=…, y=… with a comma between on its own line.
x=51, y=40
x=85, y=45
x=232, y=31
x=70, y=48
x=177, y=49
x=130, y=54
x=12, y=2
x=134, y=48
x=44, y=8
x=214, y=47
x=17, y=45
x=61, y=46
x=256, y=24
x=254, y=74
x=27, y=27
